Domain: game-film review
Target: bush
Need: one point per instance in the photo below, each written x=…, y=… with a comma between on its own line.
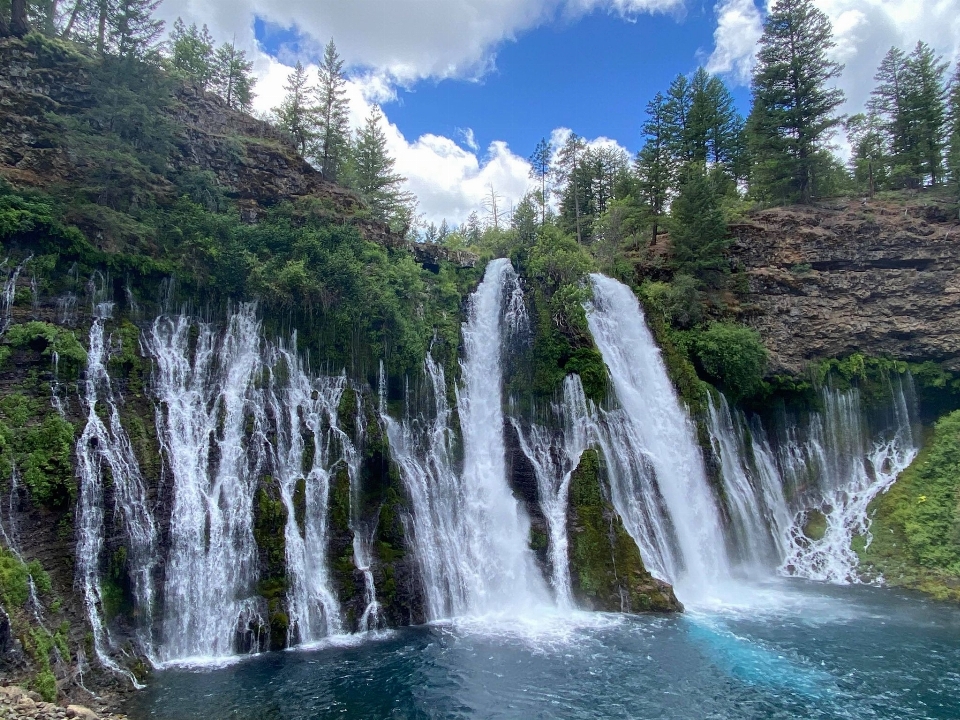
x=732, y=356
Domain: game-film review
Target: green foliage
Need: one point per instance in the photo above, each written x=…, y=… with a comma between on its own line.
x=48, y=340
x=794, y=109
x=732, y=356
x=15, y=577
x=699, y=232
x=916, y=525
x=680, y=302
x=191, y=53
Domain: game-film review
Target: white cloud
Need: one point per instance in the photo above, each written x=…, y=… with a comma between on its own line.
x=863, y=30
x=406, y=40
x=739, y=26
x=468, y=138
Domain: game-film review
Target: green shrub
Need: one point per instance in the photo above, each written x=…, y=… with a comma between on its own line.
x=732, y=356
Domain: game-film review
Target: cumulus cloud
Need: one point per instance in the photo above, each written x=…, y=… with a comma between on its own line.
x=407, y=40
x=739, y=26
x=863, y=29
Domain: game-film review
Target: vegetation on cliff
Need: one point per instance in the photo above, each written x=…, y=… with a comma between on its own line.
x=915, y=533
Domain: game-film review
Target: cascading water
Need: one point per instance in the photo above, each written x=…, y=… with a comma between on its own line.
x=472, y=537
x=310, y=404
x=752, y=486
x=830, y=467
x=852, y=471
x=554, y=457
x=9, y=292
x=102, y=447
x=658, y=483
x=211, y=421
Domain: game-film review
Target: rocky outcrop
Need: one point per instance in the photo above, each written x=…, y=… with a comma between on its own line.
x=871, y=276
x=606, y=570
x=16, y=703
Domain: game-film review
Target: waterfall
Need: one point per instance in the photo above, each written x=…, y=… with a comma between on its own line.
x=829, y=465
x=752, y=486
x=310, y=404
x=211, y=424
x=472, y=537
x=554, y=457
x=104, y=452
x=851, y=470
x=659, y=485
x=8, y=294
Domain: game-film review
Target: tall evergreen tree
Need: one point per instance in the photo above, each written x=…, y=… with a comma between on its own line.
x=679, y=103
x=296, y=115
x=868, y=158
x=953, y=147
x=565, y=171
x=652, y=164
x=191, y=53
x=539, y=170
x=19, y=24
x=233, y=76
x=794, y=108
x=698, y=233
x=373, y=176
x=133, y=29
x=927, y=100
x=888, y=102
x=333, y=126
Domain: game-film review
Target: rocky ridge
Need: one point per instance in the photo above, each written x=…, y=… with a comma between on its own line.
x=880, y=277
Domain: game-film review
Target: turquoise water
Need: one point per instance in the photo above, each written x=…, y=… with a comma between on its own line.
x=785, y=650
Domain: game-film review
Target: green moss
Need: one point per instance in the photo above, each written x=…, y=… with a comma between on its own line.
x=46, y=460
x=270, y=519
x=815, y=526
x=538, y=540
x=340, y=501
x=126, y=362
x=607, y=572
x=48, y=339
x=916, y=523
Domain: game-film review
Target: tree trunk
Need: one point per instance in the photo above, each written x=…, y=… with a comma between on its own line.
x=4, y=25
x=73, y=18
x=102, y=28
x=18, y=18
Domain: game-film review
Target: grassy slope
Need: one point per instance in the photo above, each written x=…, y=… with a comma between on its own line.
x=916, y=524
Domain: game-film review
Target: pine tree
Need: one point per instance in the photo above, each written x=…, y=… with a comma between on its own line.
x=953, y=146
x=868, y=158
x=372, y=175
x=133, y=29
x=679, y=103
x=333, y=126
x=794, y=109
x=19, y=24
x=295, y=114
x=233, y=77
x=191, y=52
x=698, y=234
x=653, y=165
x=539, y=170
x=565, y=172
x=927, y=102
x=525, y=216
x=888, y=102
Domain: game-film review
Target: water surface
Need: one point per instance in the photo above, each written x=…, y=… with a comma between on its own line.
x=787, y=649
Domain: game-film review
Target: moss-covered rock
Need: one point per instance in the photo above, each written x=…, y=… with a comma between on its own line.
x=270, y=520
x=606, y=570
x=915, y=531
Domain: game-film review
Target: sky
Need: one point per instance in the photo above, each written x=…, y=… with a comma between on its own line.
x=468, y=87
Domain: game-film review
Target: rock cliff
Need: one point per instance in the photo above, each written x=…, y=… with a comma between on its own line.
x=881, y=277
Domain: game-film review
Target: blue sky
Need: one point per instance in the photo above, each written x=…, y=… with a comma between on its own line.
x=594, y=75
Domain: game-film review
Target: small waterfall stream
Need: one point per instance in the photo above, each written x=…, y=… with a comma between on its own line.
x=207, y=398
x=304, y=406
x=104, y=454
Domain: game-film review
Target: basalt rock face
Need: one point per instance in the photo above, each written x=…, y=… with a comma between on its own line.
x=881, y=278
